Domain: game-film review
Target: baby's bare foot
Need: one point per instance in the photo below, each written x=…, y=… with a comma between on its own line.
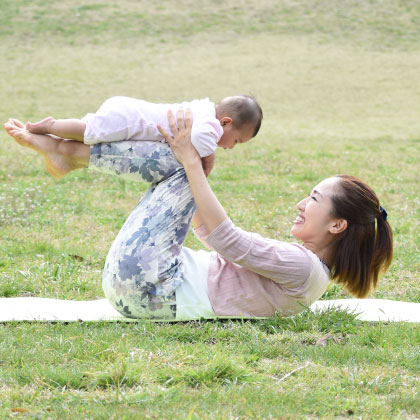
x=41, y=127
x=60, y=156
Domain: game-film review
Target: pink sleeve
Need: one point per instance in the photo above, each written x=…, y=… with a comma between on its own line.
x=205, y=134
x=201, y=235
x=286, y=263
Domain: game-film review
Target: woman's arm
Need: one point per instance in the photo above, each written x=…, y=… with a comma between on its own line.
x=197, y=221
x=287, y=264
x=211, y=211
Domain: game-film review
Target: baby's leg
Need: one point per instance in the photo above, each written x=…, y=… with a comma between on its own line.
x=72, y=129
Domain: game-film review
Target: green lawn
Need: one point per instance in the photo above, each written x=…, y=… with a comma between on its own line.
x=339, y=84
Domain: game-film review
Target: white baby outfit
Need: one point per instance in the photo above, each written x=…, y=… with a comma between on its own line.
x=123, y=118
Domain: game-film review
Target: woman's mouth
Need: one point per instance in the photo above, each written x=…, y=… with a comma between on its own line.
x=299, y=219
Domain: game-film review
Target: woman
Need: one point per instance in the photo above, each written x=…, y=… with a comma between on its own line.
x=148, y=272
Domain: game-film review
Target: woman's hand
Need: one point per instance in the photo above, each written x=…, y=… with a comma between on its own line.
x=211, y=211
x=180, y=141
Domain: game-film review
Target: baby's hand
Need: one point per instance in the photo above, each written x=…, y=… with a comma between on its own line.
x=208, y=163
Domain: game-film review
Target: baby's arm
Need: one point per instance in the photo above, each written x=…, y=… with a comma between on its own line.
x=208, y=163
x=72, y=129
x=205, y=134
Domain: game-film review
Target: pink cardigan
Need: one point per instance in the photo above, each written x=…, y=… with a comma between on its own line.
x=253, y=276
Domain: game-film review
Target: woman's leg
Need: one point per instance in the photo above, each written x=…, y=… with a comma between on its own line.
x=60, y=156
x=143, y=267
x=148, y=161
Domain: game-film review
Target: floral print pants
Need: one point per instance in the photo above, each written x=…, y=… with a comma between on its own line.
x=143, y=268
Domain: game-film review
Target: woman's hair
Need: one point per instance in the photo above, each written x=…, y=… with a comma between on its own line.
x=364, y=249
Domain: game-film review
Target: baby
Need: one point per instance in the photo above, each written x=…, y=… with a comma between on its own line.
x=235, y=119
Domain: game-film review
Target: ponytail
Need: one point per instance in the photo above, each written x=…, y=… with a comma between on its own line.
x=383, y=249
x=364, y=250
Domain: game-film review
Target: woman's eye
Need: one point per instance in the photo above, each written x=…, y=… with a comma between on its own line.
x=313, y=197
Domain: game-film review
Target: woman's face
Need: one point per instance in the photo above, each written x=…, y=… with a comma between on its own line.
x=314, y=223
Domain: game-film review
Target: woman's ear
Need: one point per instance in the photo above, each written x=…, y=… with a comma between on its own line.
x=339, y=225
x=225, y=121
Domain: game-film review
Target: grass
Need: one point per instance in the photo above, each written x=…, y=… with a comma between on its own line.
x=339, y=86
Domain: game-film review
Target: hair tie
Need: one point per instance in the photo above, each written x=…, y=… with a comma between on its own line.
x=383, y=212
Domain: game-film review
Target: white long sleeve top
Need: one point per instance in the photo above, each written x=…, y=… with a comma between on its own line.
x=123, y=118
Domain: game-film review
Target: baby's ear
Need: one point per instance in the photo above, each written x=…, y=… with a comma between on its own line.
x=225, y=121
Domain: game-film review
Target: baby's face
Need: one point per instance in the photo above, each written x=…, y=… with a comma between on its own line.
x=233, y=136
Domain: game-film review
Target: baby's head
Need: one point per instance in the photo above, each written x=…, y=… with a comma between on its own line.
x=240, y=117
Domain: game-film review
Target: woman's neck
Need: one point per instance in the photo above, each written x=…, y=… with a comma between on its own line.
x=322, y=252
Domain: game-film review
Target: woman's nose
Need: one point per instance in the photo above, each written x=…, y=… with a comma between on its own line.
x=301, y=204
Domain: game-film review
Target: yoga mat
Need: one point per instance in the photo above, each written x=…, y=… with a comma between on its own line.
x=374, y=309
x=43, y=309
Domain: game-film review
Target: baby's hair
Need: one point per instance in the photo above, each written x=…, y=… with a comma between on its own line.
x=243, y=109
